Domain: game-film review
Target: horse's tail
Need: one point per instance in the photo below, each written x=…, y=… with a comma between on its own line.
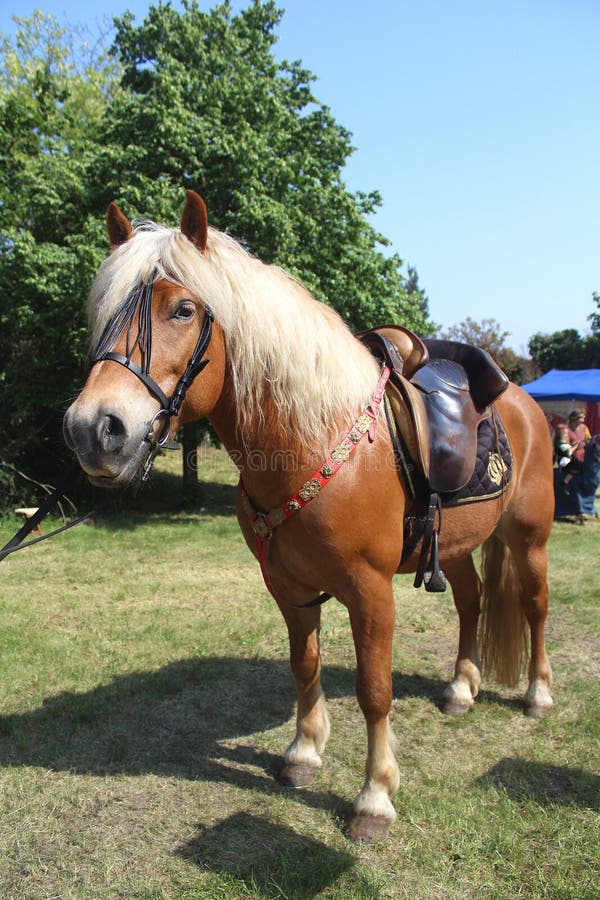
x=503, y=632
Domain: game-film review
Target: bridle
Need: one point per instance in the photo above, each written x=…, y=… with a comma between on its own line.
x=138, y=306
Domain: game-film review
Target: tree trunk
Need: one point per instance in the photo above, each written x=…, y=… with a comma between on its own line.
x=190, y=457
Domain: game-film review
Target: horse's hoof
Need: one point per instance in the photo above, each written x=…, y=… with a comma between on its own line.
x=368, y=829
x=537, y=711
x=297, y=775
x=452, y=708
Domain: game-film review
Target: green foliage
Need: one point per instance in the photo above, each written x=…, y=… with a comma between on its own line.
x=488, y=335
x=568, y=349
x=565, y=349
x=207, y=106
x=594, y=318
x=187, y=99
x=51, y=102
x=50, y=105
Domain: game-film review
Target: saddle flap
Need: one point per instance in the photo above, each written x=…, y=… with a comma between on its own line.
x=438, y=422
x=411, y=420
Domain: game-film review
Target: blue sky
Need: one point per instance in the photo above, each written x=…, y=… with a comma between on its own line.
x=479, y=123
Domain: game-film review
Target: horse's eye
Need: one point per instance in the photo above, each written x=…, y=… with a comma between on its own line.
x=185, y=311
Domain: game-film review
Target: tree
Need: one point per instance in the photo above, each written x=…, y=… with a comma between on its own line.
x=415, y=291
x=594, y=317
x=488, y=335
x=187, y=99
x=559, y=350
x=206, y=105
x=568, y=349
x=50, y=105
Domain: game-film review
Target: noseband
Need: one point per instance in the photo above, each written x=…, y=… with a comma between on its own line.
x=138, y=305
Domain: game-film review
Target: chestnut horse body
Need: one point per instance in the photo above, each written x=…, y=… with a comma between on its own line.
x=285, y=381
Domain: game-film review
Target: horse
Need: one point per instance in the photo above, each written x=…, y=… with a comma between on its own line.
x=185, y=323
x=578, y=496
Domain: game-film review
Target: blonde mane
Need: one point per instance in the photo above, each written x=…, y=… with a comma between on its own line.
x=278, y=336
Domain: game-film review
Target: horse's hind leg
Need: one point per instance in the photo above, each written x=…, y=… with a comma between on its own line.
x=530, y=561
x=302, y=758
x=466, y=589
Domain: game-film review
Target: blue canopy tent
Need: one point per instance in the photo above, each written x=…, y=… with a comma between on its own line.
x=558, y=392
x=582, y=385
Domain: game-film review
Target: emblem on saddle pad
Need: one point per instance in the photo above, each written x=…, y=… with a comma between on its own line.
x=496, y=468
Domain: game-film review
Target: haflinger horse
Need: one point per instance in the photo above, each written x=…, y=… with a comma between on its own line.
x=185, y=324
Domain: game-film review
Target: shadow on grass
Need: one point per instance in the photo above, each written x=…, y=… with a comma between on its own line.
x=165, y=499
x=269, y=858
x=544, y=783
x=182, y=721
x=173, y=721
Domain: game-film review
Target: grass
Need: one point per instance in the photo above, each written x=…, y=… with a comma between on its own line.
x=145, y=699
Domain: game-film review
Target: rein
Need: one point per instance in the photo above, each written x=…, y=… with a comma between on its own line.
x=16, y=542
x=139, y=303
x=264, y=524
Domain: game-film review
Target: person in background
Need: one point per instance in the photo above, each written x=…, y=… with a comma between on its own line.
x=563, y=454
x=579, y=434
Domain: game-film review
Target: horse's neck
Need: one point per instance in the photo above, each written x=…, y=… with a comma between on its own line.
x=271, y=461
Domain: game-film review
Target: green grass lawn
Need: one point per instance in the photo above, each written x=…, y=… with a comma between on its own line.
x=145, y=699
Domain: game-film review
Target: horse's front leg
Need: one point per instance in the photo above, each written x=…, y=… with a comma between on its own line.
x=302, y=758
x=371, y=608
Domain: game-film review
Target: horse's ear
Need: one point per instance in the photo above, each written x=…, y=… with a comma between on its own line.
x=194, y=220
x=118, y=226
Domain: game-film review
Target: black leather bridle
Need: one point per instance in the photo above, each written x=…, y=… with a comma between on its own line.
x=138, y=306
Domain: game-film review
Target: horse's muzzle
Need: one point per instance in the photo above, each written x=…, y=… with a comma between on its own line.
x=109, y=452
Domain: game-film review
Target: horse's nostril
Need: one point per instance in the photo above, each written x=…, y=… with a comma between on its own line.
x=111, y=432
x=114, y=425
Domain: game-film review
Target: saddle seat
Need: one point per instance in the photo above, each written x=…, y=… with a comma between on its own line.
x=438, y=391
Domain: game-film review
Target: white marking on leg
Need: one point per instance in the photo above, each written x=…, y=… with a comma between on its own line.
x=383, y=776
x=538, y=695
x=459, y=693
x=312, y=734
